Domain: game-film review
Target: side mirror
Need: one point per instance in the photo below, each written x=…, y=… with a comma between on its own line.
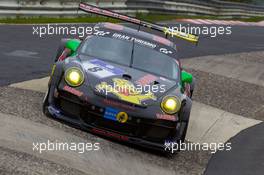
x=73, y=45
x=186, y=77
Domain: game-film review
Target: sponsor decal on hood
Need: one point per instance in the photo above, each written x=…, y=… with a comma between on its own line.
x=123, y=83
x=101, y=69
x=125, y=90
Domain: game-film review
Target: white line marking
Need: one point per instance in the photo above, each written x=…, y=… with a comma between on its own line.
x=212, y=125
x=232, y=66
x=39, y=85
x=222, y=22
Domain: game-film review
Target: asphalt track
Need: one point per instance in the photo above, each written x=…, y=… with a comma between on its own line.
x=29, y=56
x=246, y=156
x=25, y=57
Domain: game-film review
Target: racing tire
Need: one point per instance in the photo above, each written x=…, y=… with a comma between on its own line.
x=184, y=119
x=184, y=116
x=45, y=104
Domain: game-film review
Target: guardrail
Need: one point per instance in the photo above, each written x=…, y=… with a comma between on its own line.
x=54, y=8
x=15, y=8
x=192, y=7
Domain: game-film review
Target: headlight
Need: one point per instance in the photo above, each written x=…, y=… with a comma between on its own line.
x=74, y=77
x=170, y=104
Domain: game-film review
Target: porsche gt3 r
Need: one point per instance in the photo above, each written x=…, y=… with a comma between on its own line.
x=121, y=83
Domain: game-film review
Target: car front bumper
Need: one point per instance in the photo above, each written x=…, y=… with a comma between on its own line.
x=57, y=114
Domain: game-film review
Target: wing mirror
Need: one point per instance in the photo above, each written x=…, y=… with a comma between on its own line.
x=186, y=77
x=73, y=45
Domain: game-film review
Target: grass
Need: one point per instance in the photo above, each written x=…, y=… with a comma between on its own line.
x=254, y=19
x=96, y=19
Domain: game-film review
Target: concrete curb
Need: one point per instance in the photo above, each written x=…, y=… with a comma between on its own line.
x=19, y=134
x=238, y=66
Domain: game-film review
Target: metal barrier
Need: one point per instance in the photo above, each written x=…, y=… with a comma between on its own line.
x=194, y=7
x=17, y=8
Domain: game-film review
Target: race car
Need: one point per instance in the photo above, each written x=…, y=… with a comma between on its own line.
x=121, y=83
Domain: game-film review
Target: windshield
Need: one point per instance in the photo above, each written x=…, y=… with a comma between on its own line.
x=119, y=51
x=109, y=49
x=153, y=61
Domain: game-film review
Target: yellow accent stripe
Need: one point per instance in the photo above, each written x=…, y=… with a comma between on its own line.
x=188, y=37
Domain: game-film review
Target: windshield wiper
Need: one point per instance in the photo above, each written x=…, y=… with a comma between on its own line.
x=132, y=54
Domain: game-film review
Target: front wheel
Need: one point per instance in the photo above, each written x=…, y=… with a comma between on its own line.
x=45, y=104
x=184, y=116
x=183, y=131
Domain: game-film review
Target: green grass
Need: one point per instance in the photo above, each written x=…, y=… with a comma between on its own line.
x=96, y=19
x=254, y=19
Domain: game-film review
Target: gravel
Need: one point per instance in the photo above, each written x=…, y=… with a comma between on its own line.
x=19, y=163
x=27, y=104
x=229, y=94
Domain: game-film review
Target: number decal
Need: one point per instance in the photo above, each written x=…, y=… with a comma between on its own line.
x=95, y=69
x=101, y=69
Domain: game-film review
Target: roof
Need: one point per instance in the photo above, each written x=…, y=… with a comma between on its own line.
x=136, y=33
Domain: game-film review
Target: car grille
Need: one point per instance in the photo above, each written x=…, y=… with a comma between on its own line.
x=152, y=130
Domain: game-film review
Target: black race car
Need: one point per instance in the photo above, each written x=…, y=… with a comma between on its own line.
x=121, y=83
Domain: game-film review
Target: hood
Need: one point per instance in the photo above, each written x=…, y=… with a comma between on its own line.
x=124, y=83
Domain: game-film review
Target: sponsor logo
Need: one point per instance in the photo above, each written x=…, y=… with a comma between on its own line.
x=117, y=104
x=136, y=40
x=73, y=91
x=147, y=79
x=115, y=115
x=122, y=117
x=110, y=134
x=101, y=69
x=125, y=90
x=166, y=117
x=111, y=113
x=101, y=33
x=165, y=51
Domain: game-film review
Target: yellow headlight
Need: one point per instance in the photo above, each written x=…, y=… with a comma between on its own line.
x=74, y=76
x=170, y=104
